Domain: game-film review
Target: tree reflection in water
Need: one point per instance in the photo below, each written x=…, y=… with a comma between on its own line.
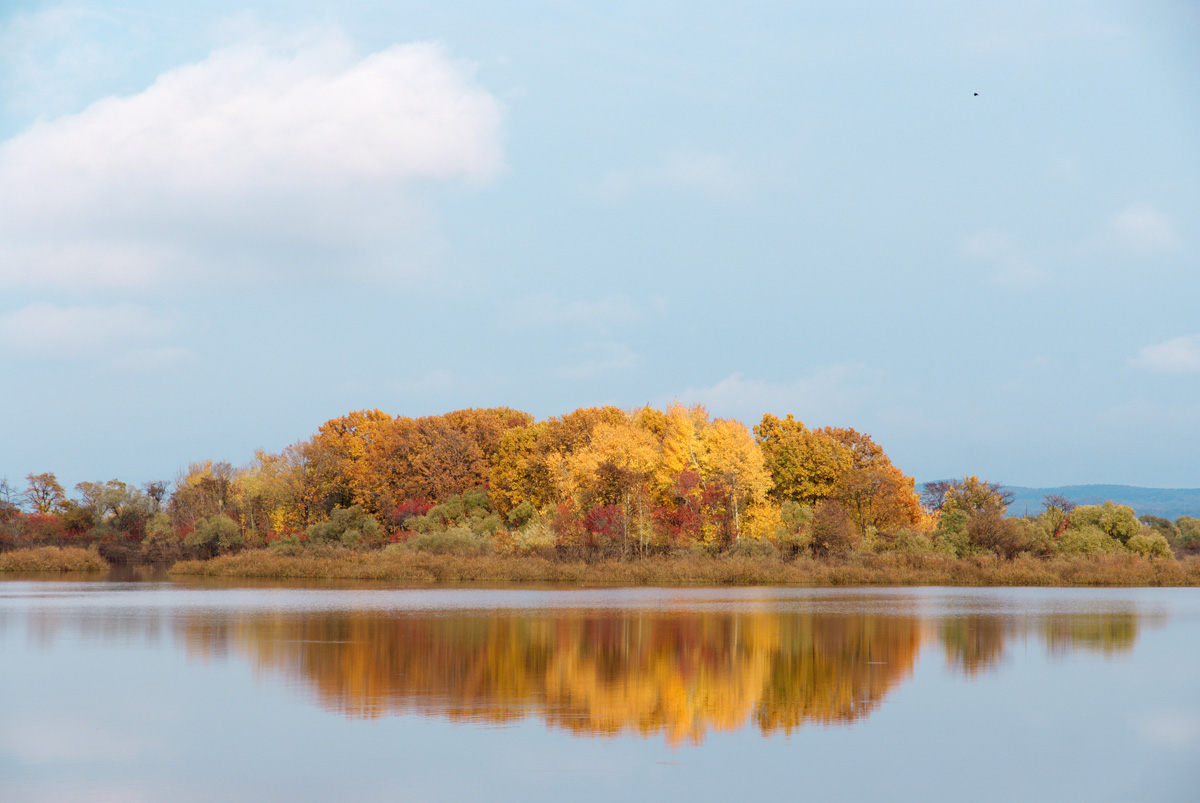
x=679, y=674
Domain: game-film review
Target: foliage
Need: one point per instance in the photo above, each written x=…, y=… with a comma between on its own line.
x=1164, y=527
x=969, y=494
x=161, y=544
x=1117, y=521
x=471, y=509
x=1150, y=544
x=348, y=526
x=951, y=536
x=450, y=541
x=1189, y=533
x=833, y=533
x=214, y=535
x=44, y=493
x=1087, y=539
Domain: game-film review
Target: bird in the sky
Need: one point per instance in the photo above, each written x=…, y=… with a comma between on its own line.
x=976, y=94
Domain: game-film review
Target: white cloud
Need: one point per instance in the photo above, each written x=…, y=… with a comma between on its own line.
x=253, y=162
x=602, y=359
x=50, y=331
x=1010, y=267
x=830, y=395
x=547, y=309
x=152, y=360
x=1179, y=355
x=47, y=60
x=1143, y=231
x=709, y=175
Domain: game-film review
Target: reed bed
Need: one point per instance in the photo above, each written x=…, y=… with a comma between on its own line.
x=865, y=570
x=52, y=559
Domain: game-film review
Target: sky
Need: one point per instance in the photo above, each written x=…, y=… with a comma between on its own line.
x=969, y=230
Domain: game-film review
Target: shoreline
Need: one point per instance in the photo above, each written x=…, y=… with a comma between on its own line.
x=878, y=569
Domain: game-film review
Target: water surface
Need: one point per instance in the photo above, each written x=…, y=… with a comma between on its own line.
x=197, y=691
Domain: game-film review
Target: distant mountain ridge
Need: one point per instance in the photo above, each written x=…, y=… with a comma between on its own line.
x=1170, y=503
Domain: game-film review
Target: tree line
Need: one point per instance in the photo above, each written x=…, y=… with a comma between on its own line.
x=599, y=481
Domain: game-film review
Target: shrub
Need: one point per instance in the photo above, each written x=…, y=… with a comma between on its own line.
x=520, y=515
x=451, y=541
x=1086, y=540
x=1189, y=533
x=910, y=542
x=471, y=509
x=1117, y=521
x=1163, y=527
x=215, y=534
x=289, y=544
x=833, y=533
x=753, y=548
x=161, y=544
x=951, y=536
x=535, y=538
x=990, y=529
x=1151, y=544
x=348, y=526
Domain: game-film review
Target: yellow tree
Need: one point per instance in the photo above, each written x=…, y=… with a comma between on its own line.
x=338, y=461
x=612, y=468
x=806, y=465
x=731, y=457
x=681, y=447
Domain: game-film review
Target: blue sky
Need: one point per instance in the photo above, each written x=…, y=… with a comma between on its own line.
x=222, y=225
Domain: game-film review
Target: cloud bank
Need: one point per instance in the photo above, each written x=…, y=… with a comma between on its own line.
x=251, y=161
x=1179, y=355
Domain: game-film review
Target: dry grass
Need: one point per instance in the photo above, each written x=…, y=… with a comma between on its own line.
x=52, y=559
x=866, y=570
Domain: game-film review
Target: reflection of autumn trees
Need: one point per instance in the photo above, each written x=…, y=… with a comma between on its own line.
x=593, y=673
x=1106, y=633
x=974, y=643
x=676, y=673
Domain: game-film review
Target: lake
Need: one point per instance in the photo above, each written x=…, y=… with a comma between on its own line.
x=205, y=691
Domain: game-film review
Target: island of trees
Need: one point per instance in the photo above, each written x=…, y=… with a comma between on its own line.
x=493, y=492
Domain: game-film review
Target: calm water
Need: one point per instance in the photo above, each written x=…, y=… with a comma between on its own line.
x=162, y=691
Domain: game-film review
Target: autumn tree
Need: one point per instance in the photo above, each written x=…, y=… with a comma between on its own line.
x=969, y=494
x=44, y=493
x=732, y=458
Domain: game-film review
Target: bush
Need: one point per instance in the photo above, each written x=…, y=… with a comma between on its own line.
x=1117, y=521
x=1189, y=533
x=910, y=542
x=348, y=526
x=520, y=515
x=535, y=538
x=951, y=536
x=990, y=529
x=833, y=534
x=472, y=510
x=1086, y=540
x=1150, y=544
x=753, y=548
x=215, y=534
x=451, y=541
x=161, y=544
x=287, y=545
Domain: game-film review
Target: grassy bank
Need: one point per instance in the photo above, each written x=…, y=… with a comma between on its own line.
x=52, y=559
x=866, y=570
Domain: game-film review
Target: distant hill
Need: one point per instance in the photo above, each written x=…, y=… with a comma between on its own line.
x=1170, y=503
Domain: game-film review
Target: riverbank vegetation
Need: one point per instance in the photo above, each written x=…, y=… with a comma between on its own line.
x=881, y=569
x=597, y=495
x=45, y=559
